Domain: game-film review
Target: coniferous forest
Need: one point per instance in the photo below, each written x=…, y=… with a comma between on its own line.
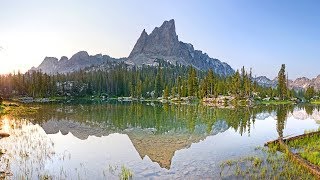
x=165, y=80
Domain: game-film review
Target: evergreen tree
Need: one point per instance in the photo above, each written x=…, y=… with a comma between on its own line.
x=173, y=91
x=282, y=84
x=192, y=82
x=310, y=92
x=236, y=84
x=166, y=92
x=203, y=89
x=210, y=83
x=158, y=86
x=179, y=86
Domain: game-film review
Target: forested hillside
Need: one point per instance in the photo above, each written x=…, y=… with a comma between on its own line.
x=165, y=80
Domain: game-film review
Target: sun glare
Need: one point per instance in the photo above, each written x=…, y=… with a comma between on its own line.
x=5, y=127
x=22, y=50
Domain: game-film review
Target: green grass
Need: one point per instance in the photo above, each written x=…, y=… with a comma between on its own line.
x=308, y=148
x=315, y=102
x=126, y=173
x=267, y=164
x=17, y=109
x=1, y=109
x=276, y=102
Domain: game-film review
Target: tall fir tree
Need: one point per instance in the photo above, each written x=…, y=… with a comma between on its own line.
x=282, y=84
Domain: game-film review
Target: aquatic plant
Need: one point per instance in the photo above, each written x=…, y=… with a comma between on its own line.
x=268, y=164
x=308, y=148
x=125, y=174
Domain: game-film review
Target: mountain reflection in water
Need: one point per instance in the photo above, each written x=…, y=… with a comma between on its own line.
x=162, y=140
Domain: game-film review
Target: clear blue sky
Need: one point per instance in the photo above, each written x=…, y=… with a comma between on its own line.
x=257, y=34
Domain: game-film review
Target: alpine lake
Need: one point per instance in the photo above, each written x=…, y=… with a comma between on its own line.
x=100, y=140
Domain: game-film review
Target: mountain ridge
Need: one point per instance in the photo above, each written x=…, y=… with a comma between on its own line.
x=301, y=83
x=162, y=43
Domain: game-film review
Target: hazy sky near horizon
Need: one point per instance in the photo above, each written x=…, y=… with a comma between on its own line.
x=257, y=34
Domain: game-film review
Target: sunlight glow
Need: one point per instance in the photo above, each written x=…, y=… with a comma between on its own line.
x=20, y=50
x=5, y=127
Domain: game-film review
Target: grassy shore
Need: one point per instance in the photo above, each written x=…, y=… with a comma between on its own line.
x=267, y=164
x=276, y=161
x=276, y=102
x=308, y=148
x=15, y=109
x=317, y=102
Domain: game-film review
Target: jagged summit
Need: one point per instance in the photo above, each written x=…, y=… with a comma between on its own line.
x=163, y=40
x=80, y=60
x=138, y=48
x=162, y=43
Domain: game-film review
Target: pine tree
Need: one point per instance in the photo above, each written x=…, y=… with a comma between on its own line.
x=282, y=84
x=192, y=82
x=173, y=91
x=179, y=86
x=166, y=92
x=236, y=84
x=203, y=89
x=210, y=82
x=158, y=86
x=310, y=92
x=139, y=89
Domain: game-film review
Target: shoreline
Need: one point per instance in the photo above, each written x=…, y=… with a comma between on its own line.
x=218, y=102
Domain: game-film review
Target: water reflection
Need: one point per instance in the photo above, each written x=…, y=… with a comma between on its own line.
x=154, y=140
x=110, y=118
x=28, y=146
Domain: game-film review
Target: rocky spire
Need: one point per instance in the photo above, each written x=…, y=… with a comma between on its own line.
x=163, y=41
x=138, y=48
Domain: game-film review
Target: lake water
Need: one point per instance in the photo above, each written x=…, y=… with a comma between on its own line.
x=154, y=141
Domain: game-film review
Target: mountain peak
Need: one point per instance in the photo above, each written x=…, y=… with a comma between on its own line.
x=138, y=48
x=169, y=25
x=49, y=61
x=163, y=43
x=80, y=55
x=166, y=30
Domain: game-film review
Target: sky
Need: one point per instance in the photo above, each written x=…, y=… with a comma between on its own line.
x=260, y=35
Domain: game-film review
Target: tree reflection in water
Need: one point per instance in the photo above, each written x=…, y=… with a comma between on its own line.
x=156, y=130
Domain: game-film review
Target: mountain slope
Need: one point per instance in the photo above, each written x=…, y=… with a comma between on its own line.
x=266, y=82
x=301, y=83
x=163, y=43
x=80, y=60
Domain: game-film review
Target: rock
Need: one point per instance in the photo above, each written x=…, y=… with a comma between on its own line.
x=26, y=99
x=13, y=105
x=163, y=43
x=3, y=135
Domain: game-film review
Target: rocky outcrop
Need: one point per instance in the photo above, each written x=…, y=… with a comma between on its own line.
x=80, y=60
x=163, y=43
